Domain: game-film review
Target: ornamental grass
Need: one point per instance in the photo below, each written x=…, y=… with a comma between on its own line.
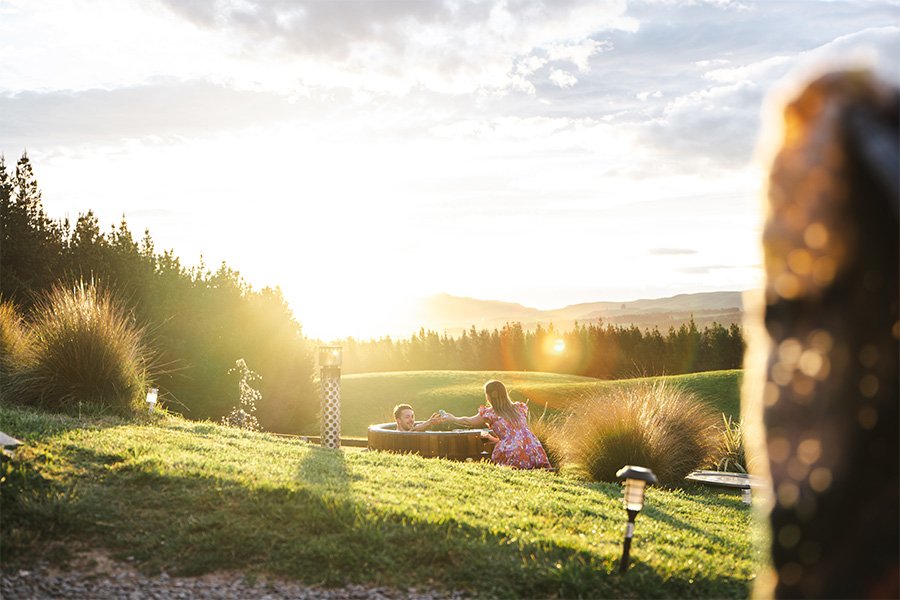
x=655, y=425
x=15, y=346
x=87, y=352
x=550, y=434
x=729, y=455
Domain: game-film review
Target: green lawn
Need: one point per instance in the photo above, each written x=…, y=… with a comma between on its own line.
x=192, y=498
x=369, y=398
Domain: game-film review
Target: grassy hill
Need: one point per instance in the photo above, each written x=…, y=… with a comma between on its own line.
x=195, y=497
x=369, y=398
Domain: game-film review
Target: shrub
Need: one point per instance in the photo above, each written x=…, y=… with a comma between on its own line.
x=654, y=425
x=729, y=454
x=244, y=415
x=15, y=345
x=87, y=350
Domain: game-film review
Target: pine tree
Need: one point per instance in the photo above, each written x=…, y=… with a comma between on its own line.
x=30, y=243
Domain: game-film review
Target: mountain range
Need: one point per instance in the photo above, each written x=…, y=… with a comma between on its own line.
x=449, y=314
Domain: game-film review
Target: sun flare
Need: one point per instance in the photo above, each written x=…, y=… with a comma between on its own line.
x=559, y=346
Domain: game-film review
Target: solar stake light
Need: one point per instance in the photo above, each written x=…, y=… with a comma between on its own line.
x=330, y=377
x=152, y=395
x=330, y=356
x=8, y=445
x=636, y=480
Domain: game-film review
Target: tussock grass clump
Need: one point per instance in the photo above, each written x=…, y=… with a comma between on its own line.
x=729, y=454
x=15, y=346
x=551, y=436
x=654, y=425
x=86, y=350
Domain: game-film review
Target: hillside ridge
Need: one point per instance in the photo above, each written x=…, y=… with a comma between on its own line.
x=453, y=314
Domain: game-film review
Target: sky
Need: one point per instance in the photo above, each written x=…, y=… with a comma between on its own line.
x=362, y=154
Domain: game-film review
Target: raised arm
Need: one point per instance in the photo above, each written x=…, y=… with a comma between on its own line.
x=424, y=425
x=475, y=420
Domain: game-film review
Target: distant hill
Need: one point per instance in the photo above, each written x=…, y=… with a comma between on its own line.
x=453, y=314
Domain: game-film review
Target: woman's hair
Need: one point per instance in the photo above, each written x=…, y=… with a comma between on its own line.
x=499, y=400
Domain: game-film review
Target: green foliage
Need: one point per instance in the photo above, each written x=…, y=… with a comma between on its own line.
x=86, y=350
x=243, y=416
x=654, y=425
x=196, y=498
x=729, y=454
x=31, y=241
x=201, y=320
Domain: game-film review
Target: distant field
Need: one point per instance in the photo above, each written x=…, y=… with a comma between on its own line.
x=369, y=398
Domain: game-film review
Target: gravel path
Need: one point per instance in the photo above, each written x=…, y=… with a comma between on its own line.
x=98, y=577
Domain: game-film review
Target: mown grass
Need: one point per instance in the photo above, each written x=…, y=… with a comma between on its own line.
x=369, y=398
x=191, y=498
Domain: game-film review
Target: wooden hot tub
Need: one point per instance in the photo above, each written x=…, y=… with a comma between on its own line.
x=455, y=444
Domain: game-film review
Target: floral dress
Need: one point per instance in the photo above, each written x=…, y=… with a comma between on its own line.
x=518, y=446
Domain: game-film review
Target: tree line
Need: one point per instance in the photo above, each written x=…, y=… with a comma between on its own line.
x=596, y=350
x=200, y=321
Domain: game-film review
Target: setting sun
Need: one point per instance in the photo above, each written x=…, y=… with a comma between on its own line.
x=559, y=346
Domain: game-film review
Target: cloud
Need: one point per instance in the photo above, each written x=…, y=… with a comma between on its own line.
x=562, y=78
x=683, y=80
x=452, y=46
x=719, y=123
x=160, y=110
x=692, y=80
x=578, y=54
x=643, y=96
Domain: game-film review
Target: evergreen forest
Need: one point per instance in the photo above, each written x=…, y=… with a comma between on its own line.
x=599, y=350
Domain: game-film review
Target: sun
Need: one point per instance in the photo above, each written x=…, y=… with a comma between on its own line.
x=559, y=346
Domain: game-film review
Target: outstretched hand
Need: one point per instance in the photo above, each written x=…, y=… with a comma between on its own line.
x=488, y=437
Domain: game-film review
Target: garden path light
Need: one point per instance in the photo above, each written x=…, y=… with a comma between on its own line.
x=9, y=445
x=636, y=480
x=330, y=365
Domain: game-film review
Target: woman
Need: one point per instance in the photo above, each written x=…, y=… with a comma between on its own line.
x=517, y=445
